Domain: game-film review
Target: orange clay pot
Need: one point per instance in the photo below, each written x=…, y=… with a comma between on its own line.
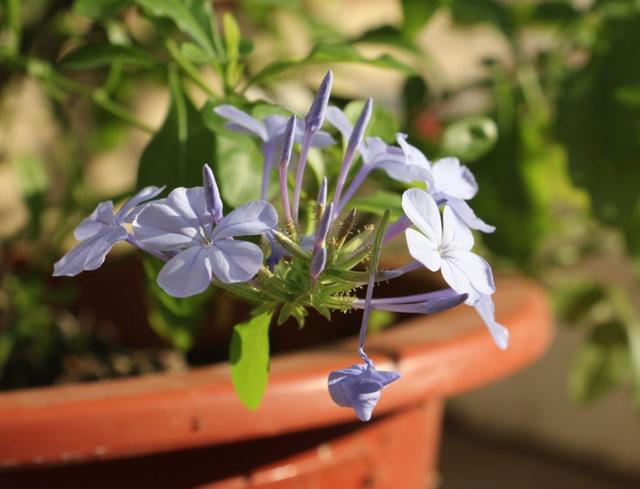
x=188, y=430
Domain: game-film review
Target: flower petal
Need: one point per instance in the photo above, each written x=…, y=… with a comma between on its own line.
x=186, y=274
x=159, y=227
x=423, y=211
x=147, y=193
x=453, y=179
x=89, y=254
x=256, y=217
x=416, y=159
x=339, y=120
x=235, y=261
x=486, y=310
x=423, y=249
x=97, y=222
x=240, y=120
x=467, y=273
x=455, y=234
x=466, y=215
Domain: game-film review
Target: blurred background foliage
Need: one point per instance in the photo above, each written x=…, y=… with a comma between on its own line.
x=552, y=133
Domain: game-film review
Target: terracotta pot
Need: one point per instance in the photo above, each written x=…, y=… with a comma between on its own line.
x=189, y=430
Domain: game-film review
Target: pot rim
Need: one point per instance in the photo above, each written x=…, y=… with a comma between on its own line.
x=438, y=356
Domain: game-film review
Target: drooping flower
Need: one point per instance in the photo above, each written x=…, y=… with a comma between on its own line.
x=359, y=387
x=99, y=232
x=449, y=182
x=425, y=303
x=183, y=227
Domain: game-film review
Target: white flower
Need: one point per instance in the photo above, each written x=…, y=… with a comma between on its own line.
x=445, y=244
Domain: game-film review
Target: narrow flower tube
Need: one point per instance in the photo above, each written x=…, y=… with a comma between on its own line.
x=268, y=149
x=313, y=123
x=212, y=194
x=427, y=303
x=352, y=146
x=285, y=158
x=398, y=227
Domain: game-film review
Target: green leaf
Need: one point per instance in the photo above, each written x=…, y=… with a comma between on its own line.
x=327, y=54
x=601, y=363
x=379, y=202
x=96, y=55
x=192, y=17
x=249, y=358
x=470, y=139
x=599, y=123
x=175, y=155
x=416, y=13
x=478, y=11
x=99, y=9
x=195, y=54
x=389, y=36
x=177, y=320
x=238, y=169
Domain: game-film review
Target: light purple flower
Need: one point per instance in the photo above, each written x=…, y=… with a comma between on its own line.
x=444, y=243
x=99, y=232
x=425, y=303
x=359, y=387
x=270, y=129
x=449, y=182
x=181, y=226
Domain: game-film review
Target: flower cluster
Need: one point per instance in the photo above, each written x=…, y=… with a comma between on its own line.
x=312, y=257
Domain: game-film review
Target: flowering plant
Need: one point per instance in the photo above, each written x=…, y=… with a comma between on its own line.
x=309, y=253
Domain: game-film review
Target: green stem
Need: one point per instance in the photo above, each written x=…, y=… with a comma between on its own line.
x=189, y=69
x=14, y=22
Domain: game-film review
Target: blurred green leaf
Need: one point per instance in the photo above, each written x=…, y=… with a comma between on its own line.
x=99, y=9
x=97, y=55
x=238, y=169
x=388, y=35
x=378, y=203
x=326, y=54
x=177, y=320
x=249, y=358
x=478, y=11
x=193, y=17
x=195, y=54
x=176, y=153
x=469, y=139
x=232, y=39
x=416, y=13
x=600, y=125
x=602, y=363
x=556, y=12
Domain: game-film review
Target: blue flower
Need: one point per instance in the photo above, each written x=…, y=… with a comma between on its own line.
x=183, y=227
x=99, y=232
x=359, y=387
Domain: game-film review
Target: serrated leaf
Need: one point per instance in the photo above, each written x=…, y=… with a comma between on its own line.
x=97, y=55
x=249, y=359
x=330, y=53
